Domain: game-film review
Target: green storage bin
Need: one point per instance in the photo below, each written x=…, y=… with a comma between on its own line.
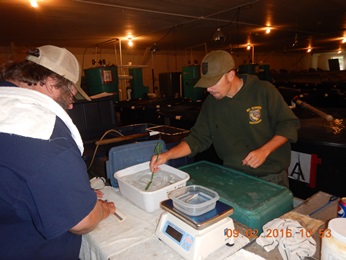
x=102, y=79
x=254, y=200
x=191, y=74
x=136, y=84
x=247, y=69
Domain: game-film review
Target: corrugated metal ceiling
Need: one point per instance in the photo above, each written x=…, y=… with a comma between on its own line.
x=176, y=24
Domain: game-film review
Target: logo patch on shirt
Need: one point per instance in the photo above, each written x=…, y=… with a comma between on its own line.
x=254, y=114
x=204, y=68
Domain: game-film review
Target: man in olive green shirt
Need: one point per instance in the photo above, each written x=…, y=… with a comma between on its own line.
x=246, y=119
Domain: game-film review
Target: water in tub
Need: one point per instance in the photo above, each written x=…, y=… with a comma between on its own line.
x=161, y=179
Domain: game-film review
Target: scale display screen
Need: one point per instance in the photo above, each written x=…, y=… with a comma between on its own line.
x=178, y=235
x=174, y=233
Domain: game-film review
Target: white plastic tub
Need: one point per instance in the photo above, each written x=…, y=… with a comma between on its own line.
x=133, y=180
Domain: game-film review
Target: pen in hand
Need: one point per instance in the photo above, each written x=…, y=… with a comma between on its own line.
x=158, y=150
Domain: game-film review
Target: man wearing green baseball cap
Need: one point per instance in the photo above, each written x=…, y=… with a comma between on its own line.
x=246, y=119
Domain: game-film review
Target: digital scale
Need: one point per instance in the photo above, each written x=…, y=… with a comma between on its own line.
x=195, y=237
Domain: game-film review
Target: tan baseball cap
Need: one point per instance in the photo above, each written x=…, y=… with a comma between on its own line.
x=214, y=65
x=60, y=61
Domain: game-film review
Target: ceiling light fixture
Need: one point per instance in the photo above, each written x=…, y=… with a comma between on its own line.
x=340, y=49
x=295, y=43
x=248, y=46
x=154, y=48
x=33, y=3
x=219, y=36
x=130, y=43
x=268, y=29
x=309, y=45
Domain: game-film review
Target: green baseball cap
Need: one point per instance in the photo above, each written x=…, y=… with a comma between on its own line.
x=214, y=65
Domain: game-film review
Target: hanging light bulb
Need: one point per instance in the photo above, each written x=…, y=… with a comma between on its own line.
x=295, y=43
x=340, y=49
x=154, y=48
x=130, y=43
x=33, y=3
x=309, y=45
x=219, y=36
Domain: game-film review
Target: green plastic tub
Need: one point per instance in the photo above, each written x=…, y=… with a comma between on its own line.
x=254, y=200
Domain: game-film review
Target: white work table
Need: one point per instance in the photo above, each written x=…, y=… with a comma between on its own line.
x=134, y=238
